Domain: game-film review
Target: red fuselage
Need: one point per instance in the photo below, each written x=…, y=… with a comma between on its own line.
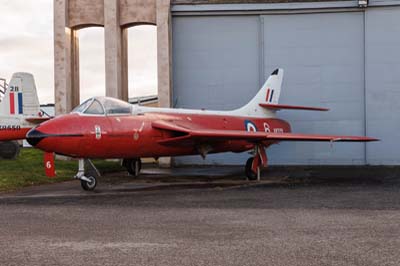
x=13, y=133
x=133, y=136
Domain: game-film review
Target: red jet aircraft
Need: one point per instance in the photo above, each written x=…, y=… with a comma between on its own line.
x=104, y=127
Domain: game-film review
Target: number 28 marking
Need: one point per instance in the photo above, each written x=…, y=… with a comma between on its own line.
x=14, y=88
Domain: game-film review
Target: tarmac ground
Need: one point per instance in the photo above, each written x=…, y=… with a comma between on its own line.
x=207, y=216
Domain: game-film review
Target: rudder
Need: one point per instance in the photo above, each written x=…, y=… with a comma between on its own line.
x=269, y=93
x=20, y=96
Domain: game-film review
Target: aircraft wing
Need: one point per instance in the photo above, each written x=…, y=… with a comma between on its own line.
x=184, y=134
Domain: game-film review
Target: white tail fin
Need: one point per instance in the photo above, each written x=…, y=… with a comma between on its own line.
x=20, y=96
x=269, y=93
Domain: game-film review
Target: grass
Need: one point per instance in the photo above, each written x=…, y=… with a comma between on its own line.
x=28, y=170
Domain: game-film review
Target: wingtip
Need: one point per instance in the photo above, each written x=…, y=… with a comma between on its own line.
x=368, y=139
x=276, y=71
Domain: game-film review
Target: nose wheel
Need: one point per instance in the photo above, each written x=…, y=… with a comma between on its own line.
x=87, y=174
x=89, y=184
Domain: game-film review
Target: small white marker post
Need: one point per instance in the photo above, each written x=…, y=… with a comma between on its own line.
x=258, y=174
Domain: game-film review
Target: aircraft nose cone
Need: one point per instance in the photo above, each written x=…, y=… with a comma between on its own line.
x=34, y=136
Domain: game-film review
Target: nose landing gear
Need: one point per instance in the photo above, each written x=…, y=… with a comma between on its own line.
x=87, y=174
x=89, y=183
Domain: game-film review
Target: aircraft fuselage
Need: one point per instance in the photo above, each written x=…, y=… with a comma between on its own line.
x=14, y=127
x=133, y=136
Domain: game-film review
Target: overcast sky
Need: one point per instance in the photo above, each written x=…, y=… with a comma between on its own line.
x=26, y=45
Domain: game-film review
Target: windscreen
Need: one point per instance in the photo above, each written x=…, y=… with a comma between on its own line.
x=82, y=107
x=114, y=106
x=95, y=109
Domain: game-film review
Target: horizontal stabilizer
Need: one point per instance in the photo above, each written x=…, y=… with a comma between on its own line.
x=37, y=120
x=291, y=107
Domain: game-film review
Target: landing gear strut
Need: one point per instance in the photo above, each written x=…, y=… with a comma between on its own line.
x=133, y=166
x=251, y=175
x=87, y=174
x=254, y=164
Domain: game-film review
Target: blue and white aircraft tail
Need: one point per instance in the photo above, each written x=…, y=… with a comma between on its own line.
x=19, y=97
x=19, y=112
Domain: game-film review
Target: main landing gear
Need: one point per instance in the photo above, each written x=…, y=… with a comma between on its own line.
x=248, y=170
x=87, y=174
x=254, y=164
x=133, y=166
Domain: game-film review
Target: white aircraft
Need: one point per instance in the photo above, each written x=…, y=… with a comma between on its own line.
x=19, y=112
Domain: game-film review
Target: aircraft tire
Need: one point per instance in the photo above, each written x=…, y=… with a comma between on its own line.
x=89, y=186
x=131, y=166
x=249, y=173
x=9, y=150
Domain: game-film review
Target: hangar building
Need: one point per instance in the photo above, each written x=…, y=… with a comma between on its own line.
x=344, y=55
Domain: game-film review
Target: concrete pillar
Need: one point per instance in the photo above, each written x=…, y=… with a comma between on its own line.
x=66, y=60
x=75, y=78
x=114, y=38
x=125, y=66
x=164, y=60
x=164, y=53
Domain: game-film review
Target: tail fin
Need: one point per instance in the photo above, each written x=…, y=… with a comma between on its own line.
x=268, y=94
x=20, y=96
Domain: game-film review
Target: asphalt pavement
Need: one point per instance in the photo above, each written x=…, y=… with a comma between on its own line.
x=204, y=217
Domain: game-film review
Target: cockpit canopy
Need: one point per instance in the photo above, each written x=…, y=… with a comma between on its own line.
x=103, y=106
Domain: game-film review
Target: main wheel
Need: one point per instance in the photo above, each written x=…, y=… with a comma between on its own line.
x=131, y=166
x=91, y=185
x=9, y=150
x=251, y=175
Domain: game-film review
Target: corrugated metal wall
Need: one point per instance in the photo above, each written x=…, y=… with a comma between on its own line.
x=216, y=66
x=383, y=84
x=323, y=58
x=347, y=61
